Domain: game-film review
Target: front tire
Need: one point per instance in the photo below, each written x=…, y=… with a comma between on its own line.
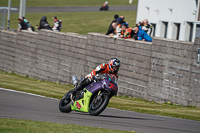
x=65, y=104
x=98, y=104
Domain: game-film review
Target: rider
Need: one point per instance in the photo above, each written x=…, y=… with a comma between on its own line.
x=111, y=68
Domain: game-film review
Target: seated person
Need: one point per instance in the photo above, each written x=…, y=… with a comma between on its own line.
x=134, y=35
x=146, y=26
x=56, y=25
x=117, y=30
x=121, y=20
x=30, y=27
x=142, y=35
x=110, y=29
x=125, y=31
x=22, y=25
x=44, y=24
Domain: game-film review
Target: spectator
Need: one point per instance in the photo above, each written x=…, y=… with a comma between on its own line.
x=146, y=26
x=30, y=27
x=44, y=24
x=142, y=35
x=134, y=35
x=117, y=30
x=22, y=25
x=57, y=24
x=26, y=21
x=110, y=29
x=114, y=26
x=125, y=31
x=121, y=20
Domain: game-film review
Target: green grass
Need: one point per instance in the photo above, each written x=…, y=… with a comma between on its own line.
x=166, y=109
x=21, y=83
x=78, y=22
x=28, y=126
x=51, y=3
x=16, y=82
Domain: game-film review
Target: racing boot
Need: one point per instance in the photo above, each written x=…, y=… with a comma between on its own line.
x=80, y=86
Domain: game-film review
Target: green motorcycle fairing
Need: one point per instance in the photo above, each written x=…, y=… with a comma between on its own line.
x=82, y=104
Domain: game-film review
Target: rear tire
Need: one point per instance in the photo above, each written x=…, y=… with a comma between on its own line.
x=98, y=105
x=65, y=104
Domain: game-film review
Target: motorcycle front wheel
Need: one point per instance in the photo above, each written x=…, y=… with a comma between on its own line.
x=65, y=104
x=98, y=104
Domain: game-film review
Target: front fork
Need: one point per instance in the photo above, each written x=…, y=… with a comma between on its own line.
x=100, y=93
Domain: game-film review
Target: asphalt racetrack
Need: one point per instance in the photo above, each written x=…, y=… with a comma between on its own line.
x=20, y=105
x=76, y=9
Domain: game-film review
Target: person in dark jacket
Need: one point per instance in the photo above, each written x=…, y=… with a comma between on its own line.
x=110, y=29
x=30, y=27
x=22, y=25
x=121, y=20
x=44, y=24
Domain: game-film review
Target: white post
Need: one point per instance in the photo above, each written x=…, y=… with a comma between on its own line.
x=8, y=17
x=130, y=1
x=22, y=9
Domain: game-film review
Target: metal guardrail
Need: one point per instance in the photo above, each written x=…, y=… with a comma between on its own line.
x=3, y=16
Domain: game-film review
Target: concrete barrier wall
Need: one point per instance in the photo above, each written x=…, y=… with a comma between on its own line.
x=161, y=71
x=174, y=72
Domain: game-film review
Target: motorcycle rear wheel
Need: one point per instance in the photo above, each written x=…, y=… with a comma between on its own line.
x=65, y=104
x=98, y=104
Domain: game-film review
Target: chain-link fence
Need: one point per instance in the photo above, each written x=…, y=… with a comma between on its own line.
x=3, y=13
x=2, y=18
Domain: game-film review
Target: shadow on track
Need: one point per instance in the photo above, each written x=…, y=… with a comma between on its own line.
x=117, y=117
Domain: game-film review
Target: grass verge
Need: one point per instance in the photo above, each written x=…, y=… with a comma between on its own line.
x=28, y=126
x=21, y=83
x=78, y=22
x=52, y=3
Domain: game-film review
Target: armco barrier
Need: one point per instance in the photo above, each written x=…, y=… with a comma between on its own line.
x=161, y=71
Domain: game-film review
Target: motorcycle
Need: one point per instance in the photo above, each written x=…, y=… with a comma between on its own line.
x=104, y=8
x=93, y=99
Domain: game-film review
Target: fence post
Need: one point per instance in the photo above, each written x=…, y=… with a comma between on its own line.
x=8, y=18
